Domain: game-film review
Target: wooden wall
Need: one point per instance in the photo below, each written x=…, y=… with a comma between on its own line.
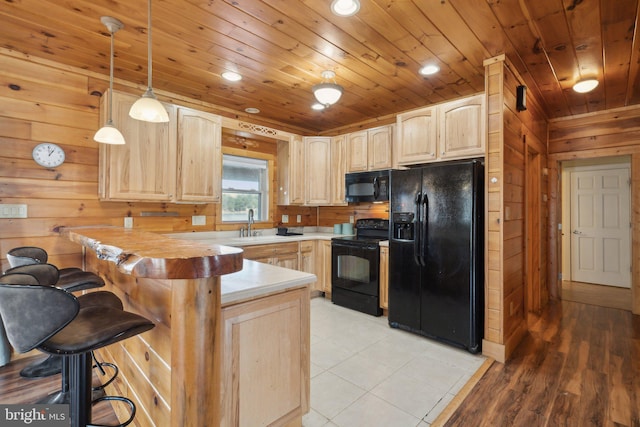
x=514, y=139
x=608, y=133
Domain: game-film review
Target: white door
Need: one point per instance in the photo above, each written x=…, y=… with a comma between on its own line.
x=600, y=226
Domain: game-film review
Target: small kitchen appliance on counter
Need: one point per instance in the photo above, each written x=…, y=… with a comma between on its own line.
x=284, y=231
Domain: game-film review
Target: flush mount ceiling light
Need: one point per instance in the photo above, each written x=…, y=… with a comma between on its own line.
x=252, y=110
x=428, y=70
x=345, y=7
x=231, y=76
x=327, y=93
x=109, y=134
x=147, y=108
x=584, y=86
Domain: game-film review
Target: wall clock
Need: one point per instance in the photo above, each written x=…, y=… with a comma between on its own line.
x=48, y=155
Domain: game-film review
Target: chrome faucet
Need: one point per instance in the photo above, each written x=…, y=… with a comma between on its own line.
x=250, y=222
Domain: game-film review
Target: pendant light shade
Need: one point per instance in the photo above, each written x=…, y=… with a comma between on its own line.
x=109, y=134
x=148, y=108
x=327, y=93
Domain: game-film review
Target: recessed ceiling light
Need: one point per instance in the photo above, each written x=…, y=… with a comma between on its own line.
x=252, y=110
x=584, y=86
x=427, y=70
x=317, y=106
x=345, y=7
x=231, y=76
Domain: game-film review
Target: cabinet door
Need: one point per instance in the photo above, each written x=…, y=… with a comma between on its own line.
x=326, y=261
x=287, y=261
x=199, y=156
x=417, y=136
x=145, y=167
x=318, y=170
x=357, y=160
x=307, y=257
x=264, y=361
x=297, y=175
x=384, y=277
x=379, y=147
x=462, y=128
x=337, y=169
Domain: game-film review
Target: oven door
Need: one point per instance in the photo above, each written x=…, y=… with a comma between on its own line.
x=355, y=267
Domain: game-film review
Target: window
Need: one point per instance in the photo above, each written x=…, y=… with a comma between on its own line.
x=245, y=185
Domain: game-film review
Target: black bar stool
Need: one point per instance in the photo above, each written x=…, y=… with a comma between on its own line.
x=57, y=325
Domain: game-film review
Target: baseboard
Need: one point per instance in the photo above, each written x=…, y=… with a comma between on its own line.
x=494, y=351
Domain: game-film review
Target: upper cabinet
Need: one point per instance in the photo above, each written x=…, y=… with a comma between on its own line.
x=450, y=130
x=199, y=156
x=461, y=128
x=369, y=149
x=337, y=169
x=318, y=170
x=290, y=171
x=417, y=136
x=178, y=161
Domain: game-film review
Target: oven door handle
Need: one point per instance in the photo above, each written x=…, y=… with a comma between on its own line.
x=418, y=234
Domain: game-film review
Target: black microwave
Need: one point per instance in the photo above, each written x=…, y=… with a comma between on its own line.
x=367, y=186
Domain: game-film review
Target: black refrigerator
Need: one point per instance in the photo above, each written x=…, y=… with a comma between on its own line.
x=436, y=252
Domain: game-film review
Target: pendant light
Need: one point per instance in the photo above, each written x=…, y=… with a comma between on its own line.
x=109, y=134
x=147, y=108
x=327, y=93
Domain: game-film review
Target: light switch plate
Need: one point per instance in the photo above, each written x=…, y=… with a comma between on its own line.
x=285, y=219
x=198, y=220
x=351, y=219
x=128, y=222
x=13, y=211
x=299, y=218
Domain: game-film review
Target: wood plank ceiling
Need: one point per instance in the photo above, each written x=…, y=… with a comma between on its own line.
x=281, y=47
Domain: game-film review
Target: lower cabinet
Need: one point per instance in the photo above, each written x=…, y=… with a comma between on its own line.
x=265, y=361
x=307, y=262
x=384, y=277
x=283, y=255
x=323, y=266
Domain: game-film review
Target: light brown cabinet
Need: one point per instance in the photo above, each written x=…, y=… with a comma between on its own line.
x=384, y=277
x=146, y=169
x=265, y=362
x=461, y=128
x=417, y=137
x=451, y=130
x=290, y=172
x=283, y=255
x=317, y=170
x=323, y=266
x=337, y=169
x=307, y=261
x=370, y=149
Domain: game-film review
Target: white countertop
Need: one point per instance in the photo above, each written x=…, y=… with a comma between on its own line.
x=257, y=279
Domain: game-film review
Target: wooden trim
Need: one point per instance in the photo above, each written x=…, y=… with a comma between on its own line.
x=496, y=351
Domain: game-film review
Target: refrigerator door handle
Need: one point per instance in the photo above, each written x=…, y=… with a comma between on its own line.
x=424, y=229
x=417, y=234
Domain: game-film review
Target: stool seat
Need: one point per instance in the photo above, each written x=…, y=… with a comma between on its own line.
x=52, y=320
x=48, y=274
x=24, y=255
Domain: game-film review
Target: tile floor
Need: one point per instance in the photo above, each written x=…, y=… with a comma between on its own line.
x=364, y=373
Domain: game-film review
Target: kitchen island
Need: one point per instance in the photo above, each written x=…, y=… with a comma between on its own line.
x=220, y=342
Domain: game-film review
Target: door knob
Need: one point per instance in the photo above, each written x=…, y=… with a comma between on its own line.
x=577, y=232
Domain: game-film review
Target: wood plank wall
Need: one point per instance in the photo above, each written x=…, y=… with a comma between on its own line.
x=609, y=133
x=41, y=101
x=512, y=137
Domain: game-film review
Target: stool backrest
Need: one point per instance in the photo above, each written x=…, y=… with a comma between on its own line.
x=24, y=255
x=33, y=313
x=47, y=274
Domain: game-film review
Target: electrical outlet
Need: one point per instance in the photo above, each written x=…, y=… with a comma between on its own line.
x=13, y=211
x=128, y=222
x=198, y=220
x=299, y=218
x=351, y=219
x=285, y=219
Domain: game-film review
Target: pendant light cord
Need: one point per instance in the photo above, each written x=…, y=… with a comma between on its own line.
x=149, y=47
x=110, y=118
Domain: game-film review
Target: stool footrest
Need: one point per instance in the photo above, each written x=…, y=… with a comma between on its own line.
x=132, y=408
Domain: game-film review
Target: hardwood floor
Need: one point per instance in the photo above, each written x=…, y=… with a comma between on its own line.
x=15, y=389
x=579, y=366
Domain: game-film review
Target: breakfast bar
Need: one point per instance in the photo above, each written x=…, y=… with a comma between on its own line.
x=199, y=365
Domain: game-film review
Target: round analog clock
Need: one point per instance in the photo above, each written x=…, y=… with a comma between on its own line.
x=48, y=155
